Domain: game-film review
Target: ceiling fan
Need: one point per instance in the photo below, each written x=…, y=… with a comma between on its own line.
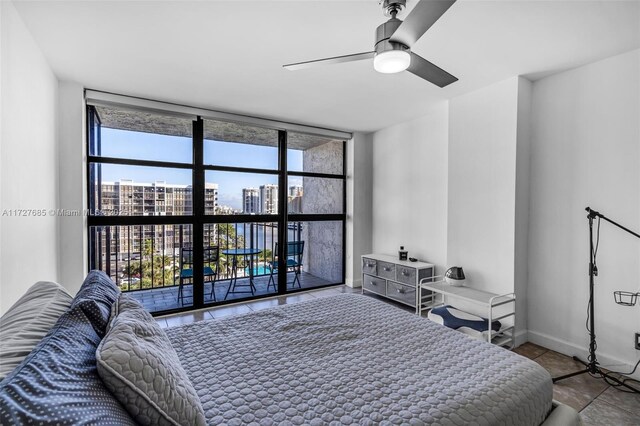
x=393, y=40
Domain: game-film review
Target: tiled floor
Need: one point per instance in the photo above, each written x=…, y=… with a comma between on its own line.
x=166, y=298
x=597, y=402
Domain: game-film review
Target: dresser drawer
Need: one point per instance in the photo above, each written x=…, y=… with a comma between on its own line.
x=401, y=293
x=406, y=275
x=376, y=285
x=369, y=266
x=386, y=270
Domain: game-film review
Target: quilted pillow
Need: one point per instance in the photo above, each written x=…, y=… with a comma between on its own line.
x=58, y=383
x=140, y=367
x=96, y=297
x=24, y=325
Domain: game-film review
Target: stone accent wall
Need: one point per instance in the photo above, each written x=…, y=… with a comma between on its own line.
x=325, y=158
x=323, y=250
x=323, y=240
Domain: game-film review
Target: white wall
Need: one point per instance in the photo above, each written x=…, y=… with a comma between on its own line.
x=482, y=164
x=453, y=188
x=523, y=183
x=359, y=201
x=2, y=61
x=72, y=243
x=410, y=188
x=585, y=151
x=28, y=165
x=488, y=193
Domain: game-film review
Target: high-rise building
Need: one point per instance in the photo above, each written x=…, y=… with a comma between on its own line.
x=210, y=198
x=250, y=201
x=294, y=201
x=269, y=199
x=129, y=198
x=295, y=191
x=294, y=205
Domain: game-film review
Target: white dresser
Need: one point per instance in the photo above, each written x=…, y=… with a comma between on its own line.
x=396, y=279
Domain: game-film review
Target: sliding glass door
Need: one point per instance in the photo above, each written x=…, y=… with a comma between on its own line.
x=186, y=212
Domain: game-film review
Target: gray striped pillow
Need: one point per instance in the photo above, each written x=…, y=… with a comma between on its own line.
x=24, y=325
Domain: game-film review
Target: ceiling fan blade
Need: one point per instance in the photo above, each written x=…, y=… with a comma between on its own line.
x=327, y=61
x=430, y=72
x=419, y=20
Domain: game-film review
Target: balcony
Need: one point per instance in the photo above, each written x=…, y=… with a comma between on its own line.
x=148, y=261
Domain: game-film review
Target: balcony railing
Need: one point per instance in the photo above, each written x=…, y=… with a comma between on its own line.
x=142, y=257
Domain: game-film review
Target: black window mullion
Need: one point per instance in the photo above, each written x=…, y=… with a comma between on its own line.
x=164, y=243
x=129, y=258
x=140, y=255
x=320, y=217
x=344, y=209
x=244, y=218
x=97, y=159
x=117, y=245
x=136, y=220
x=282, y=210
x=241, y=170
x=317, y=175
x=153, y=248
x=198, y=213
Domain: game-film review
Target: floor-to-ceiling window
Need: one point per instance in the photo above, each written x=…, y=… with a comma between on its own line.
x=186, y=211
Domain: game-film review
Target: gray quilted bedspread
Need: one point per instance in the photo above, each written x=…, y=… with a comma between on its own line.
x=350, y=359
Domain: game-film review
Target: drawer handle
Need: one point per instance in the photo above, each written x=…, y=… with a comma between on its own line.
x=405, y=274
x=370, y=265
x=386, y=268
x=400, y=290
x=373, y=283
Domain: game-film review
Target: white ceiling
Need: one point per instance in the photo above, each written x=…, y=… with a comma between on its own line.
x=227, y=55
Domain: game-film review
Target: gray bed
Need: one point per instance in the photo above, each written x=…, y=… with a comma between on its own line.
x=351, y=359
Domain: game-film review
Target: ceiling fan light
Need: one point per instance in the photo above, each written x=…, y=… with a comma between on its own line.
x=392, y=61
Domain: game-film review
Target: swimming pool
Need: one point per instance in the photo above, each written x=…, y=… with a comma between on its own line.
x=258, y=270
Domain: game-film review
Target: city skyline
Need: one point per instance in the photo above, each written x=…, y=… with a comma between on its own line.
x=137, y=145
x=264, y=200
x=261, y=200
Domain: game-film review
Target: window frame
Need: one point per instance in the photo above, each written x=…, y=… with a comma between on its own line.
x=198, y=219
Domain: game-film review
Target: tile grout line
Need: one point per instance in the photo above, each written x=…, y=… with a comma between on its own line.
x=598, y=396
x=608, y=403
x=586, y=406
x=548, y=350
x=611, y=405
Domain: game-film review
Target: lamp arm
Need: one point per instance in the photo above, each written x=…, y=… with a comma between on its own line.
x=593, y=214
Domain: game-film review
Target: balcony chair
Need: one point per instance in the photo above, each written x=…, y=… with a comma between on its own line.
x=294, y=263
x=210, y=270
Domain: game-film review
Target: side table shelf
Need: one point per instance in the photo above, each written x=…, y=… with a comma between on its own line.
x=498, y=307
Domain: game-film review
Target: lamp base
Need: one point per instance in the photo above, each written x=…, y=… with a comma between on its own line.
x=455, y=283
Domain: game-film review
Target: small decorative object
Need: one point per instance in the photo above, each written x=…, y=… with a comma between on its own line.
x=455, y=276
x=403, y=254
x=413, y=259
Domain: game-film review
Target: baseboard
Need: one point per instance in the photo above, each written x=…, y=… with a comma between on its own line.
x=521, y=337
x=354, y=283
x=570, y=349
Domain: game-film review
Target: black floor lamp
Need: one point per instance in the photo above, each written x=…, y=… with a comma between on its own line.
x=591, y=365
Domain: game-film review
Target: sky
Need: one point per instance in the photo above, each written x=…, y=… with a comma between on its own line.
x=148, y=146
